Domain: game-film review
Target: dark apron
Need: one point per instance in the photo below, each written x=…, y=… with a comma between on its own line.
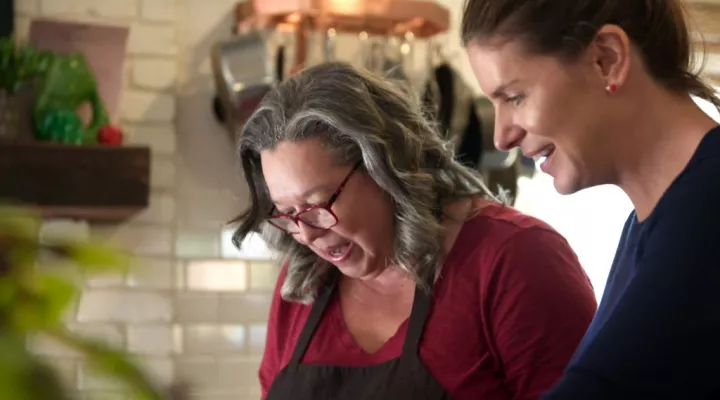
x=398, y=379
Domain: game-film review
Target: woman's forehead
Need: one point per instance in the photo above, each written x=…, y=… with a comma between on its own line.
x=305, y=157
x=497, y=66
x=298, y=171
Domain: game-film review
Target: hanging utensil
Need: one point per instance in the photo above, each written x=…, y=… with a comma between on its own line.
x=378, y=57
x=244, y=69
x=362, y=57
x=330, y=37
x=407, y=55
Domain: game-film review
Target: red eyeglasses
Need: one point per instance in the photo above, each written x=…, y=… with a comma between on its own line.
x=319, y=216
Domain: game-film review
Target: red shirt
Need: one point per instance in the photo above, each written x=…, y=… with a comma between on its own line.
x=511, y=305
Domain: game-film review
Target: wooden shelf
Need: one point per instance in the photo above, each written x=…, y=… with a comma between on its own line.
x=99, y=183
x=375, y=17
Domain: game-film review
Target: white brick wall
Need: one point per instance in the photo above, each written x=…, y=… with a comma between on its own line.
x=159, y=10
x=190, y=308
x=154, y=73
x=147, y=106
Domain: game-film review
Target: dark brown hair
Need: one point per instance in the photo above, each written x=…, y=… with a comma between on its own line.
x=657, y=28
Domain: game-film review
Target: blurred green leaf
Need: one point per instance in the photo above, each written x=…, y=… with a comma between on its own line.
x=18, y=222
x=96, y=257
x=48, y=300
x=113, y=363
x=9, y=291
x=34, y=300
x=24, y=376
x=43, y=382
x=18, y=254
x=18, y=244
x=15, y=361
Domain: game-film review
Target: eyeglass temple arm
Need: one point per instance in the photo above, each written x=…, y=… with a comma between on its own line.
x=343, y=183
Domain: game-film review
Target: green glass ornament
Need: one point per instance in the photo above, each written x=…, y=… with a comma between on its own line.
x=61, y=126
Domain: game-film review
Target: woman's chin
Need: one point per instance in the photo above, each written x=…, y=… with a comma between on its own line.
x=566, y=182
x=356, y=265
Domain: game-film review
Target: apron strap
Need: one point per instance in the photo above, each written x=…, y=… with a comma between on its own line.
x=313, y=319
x=418, y=317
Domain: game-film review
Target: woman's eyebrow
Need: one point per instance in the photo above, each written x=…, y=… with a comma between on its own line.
x=323, y=187
x=500, y=90
x=320, y=188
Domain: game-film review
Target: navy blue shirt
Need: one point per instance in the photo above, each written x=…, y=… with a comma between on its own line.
x=656, y=334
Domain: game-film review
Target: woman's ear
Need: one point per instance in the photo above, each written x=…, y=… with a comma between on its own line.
x=611, y=51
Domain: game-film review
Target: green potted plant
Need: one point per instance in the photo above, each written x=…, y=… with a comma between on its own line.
x=34, y=295
x=20, y=66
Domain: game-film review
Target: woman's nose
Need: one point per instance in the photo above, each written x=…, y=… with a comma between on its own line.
x=307, y=234
x=507, y=135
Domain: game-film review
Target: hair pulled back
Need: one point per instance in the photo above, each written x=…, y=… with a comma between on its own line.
x=657, y=28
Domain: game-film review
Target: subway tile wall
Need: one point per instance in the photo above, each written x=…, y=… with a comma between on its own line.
x=194, y=307
x=197, y=318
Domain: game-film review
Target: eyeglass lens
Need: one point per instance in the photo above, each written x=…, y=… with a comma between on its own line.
x=317, y=217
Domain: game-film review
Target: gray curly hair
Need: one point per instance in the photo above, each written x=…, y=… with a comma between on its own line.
x=359, y=117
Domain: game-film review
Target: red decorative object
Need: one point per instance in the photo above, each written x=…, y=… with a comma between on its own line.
x=612, y=88
x=110, y=135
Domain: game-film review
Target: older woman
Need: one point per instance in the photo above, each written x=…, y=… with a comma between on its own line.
x=600, y=89
x=401, y=281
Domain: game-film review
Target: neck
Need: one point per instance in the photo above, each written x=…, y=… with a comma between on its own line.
x=656, y=147
x=388, y=281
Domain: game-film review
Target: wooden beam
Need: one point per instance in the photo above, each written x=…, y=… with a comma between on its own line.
x=86, y=182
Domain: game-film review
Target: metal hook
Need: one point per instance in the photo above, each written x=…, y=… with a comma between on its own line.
x=440, y=55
